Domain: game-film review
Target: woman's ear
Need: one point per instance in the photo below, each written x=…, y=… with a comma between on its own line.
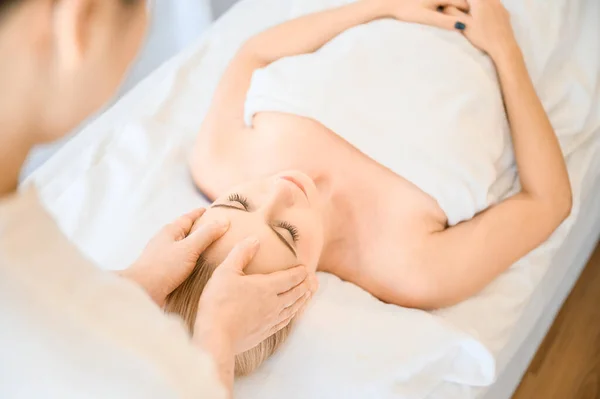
x=71, y=26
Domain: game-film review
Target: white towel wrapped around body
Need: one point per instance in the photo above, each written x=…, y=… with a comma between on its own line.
x=426, y=104
x=423, y=102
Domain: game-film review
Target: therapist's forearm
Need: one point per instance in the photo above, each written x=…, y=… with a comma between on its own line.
x=146, y=282
x=309, y=33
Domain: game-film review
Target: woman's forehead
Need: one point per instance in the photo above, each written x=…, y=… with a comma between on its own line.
x=272, y=254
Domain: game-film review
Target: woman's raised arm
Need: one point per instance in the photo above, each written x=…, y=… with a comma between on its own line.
x=463, y=259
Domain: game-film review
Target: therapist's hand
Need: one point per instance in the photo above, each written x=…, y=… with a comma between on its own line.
x=236, y=312
x=170, y=257
x=244, y=310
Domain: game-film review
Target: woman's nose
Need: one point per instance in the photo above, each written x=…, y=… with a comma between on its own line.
x=280, y=197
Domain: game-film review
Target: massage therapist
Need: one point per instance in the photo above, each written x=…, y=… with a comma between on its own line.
x=68, y=329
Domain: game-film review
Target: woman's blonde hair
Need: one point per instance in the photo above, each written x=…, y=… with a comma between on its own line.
x=184, y=302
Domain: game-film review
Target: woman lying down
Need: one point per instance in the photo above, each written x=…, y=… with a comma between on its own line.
x=313, y=199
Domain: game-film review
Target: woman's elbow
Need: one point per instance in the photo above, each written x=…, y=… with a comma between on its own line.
x=555, y=205
x=560, y=205
x=428, y=291
x=566, y=205
x=564, y=198
x=431, y=300
x=253, y=50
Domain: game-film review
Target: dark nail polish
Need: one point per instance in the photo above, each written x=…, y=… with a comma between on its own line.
x=459, y=26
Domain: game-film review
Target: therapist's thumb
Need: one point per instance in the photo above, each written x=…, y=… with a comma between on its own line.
x=242, y=254
x=199, y=240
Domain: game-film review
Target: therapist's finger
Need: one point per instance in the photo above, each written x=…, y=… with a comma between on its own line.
x=303, y=307
x=287, y=299
x=284, y=280
x=198, y=241
x=280, y=326
x=242, y=254
x=293, y=310
x=313, y=283
x=181, y=227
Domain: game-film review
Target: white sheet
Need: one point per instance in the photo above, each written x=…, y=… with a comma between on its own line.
x=516, y=318
x=127, y=171
x=549, y=295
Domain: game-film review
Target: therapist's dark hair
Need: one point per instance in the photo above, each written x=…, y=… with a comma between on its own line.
x=6, y=4
x=184, y=302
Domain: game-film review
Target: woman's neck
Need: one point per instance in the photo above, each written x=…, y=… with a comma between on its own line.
x=338, y=217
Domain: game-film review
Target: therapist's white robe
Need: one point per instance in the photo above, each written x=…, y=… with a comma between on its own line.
x=70, y=330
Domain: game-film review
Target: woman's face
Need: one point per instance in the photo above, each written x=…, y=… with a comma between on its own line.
x=282, y=211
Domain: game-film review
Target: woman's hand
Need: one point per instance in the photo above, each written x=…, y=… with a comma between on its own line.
x=247, y=309
x=171, y=255
x=487, y=26
x=425, y=12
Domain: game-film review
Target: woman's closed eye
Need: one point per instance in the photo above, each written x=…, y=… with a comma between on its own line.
x=241, y=203
x=293, y=230
x=240, y=199
x=293, y=233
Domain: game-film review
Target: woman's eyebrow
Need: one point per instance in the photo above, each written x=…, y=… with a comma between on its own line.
x=279, y=236
x=228, y=206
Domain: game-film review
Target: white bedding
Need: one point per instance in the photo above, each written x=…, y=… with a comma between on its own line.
x=122, y=178
x=538, y=314
x=522, y=316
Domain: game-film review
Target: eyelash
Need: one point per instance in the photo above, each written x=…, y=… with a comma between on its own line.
x=239, y=199
x=291, y=228
x=235, y=197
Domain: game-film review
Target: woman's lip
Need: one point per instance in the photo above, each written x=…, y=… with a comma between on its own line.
x=295, y=182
